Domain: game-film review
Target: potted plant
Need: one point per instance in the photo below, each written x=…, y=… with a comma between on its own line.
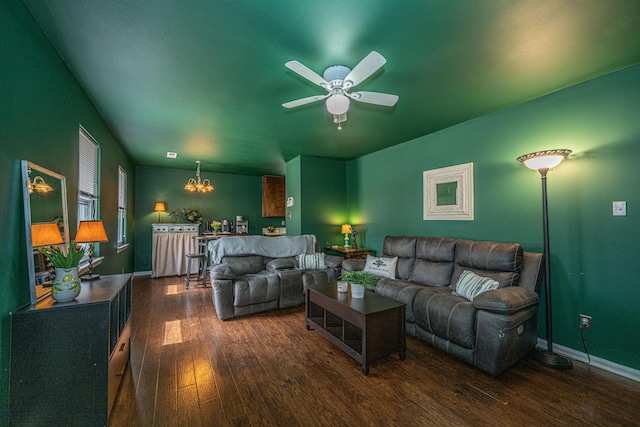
x=216, y=226
x=67, y=284
x=360, y=280
x=192, y=215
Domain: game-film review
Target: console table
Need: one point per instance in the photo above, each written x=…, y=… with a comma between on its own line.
x=67, y=359
x=349, y=253
x=171, y=243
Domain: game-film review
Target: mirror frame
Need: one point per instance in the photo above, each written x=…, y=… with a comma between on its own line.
x=26, y=167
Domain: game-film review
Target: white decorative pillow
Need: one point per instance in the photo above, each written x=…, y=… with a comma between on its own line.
x=311, y=261
x=383, y=267
x=470, y=285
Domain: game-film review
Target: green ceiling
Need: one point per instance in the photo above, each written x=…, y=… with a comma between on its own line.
x=207, y=79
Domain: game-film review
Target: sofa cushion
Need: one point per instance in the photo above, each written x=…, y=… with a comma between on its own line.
x=311, y=261
x=401, y=291
x=447, y=316
x=470, y=285
x=244, y=264
x=383, y=267
x=501, y=262
x=434, y=261
x=256, y=289
x=405, y=249
x=277, y=264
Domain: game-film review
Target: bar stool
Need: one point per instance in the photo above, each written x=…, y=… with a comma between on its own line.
x=202, y=269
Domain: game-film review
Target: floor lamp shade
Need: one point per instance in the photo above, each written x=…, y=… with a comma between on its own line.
x=543, y=161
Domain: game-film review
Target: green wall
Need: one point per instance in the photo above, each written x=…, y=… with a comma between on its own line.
x=294, y=216
x=594, y=255
x=233, y=195
x=320, y=189
x=41, y=107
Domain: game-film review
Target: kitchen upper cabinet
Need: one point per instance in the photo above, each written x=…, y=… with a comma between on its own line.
x=273, y=196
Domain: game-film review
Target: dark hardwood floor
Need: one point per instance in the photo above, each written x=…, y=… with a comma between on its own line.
x=190, y=369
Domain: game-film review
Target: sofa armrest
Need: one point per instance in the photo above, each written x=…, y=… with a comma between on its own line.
x=353, y=264
x=507, y=300
x=221, y=272
x=333, y=261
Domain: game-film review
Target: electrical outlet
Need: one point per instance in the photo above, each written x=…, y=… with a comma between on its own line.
x=585, y=322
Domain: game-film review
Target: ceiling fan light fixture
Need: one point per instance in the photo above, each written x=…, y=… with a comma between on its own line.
x=337, y=80
x=338, y=104
x=336, y=72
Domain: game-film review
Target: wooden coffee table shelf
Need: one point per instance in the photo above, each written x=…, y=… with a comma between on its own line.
x=366, y=328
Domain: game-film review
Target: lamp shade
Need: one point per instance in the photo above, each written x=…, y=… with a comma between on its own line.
x=45, y=234
x=346, y=228
x=159, y=207
x=91, y=231
x=547, y=159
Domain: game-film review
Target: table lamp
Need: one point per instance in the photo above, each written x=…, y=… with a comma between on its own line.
x=159, y=208
x=45, y=234
x=346, y=230
x=91, y=232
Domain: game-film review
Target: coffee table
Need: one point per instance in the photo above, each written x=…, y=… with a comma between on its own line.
x=365, y=328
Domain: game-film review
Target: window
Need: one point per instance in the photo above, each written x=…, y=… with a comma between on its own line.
x=87, y=178
x=122, y=208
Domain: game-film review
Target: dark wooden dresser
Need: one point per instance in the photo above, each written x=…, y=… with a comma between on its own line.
x=67, y=359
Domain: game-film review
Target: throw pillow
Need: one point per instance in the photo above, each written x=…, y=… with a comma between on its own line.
x=470, y=285
x=383, y=267
x=311, y=261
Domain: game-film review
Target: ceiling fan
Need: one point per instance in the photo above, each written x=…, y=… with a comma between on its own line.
x=337, y=80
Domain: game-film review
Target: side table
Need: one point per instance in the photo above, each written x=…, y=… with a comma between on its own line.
x=349, y=253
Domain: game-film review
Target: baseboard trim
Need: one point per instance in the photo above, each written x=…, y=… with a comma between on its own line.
x=142, y=273
x=598, y=362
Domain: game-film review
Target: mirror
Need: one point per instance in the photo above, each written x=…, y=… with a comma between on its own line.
x=45, y=201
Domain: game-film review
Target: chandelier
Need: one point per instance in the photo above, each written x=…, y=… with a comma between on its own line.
x=197, y=185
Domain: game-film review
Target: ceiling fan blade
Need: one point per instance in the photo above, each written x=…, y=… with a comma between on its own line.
x=307, y=73
x=303, y=101
x=377, y=98
x=369, y=65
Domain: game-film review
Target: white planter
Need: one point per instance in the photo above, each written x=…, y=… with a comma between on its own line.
x=67, y=284
x=357, y=291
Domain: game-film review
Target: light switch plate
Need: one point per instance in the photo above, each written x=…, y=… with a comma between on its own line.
x=619, y=208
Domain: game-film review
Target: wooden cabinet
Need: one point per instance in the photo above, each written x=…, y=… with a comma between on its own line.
x=67, y=359
x=273, y=196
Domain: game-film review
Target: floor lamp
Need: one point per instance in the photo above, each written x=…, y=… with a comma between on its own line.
x=543, y=162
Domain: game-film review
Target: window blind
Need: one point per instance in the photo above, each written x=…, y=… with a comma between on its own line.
x=88, y=165
x=122, y=188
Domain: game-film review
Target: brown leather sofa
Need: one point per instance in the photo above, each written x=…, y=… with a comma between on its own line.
x=493, y=331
